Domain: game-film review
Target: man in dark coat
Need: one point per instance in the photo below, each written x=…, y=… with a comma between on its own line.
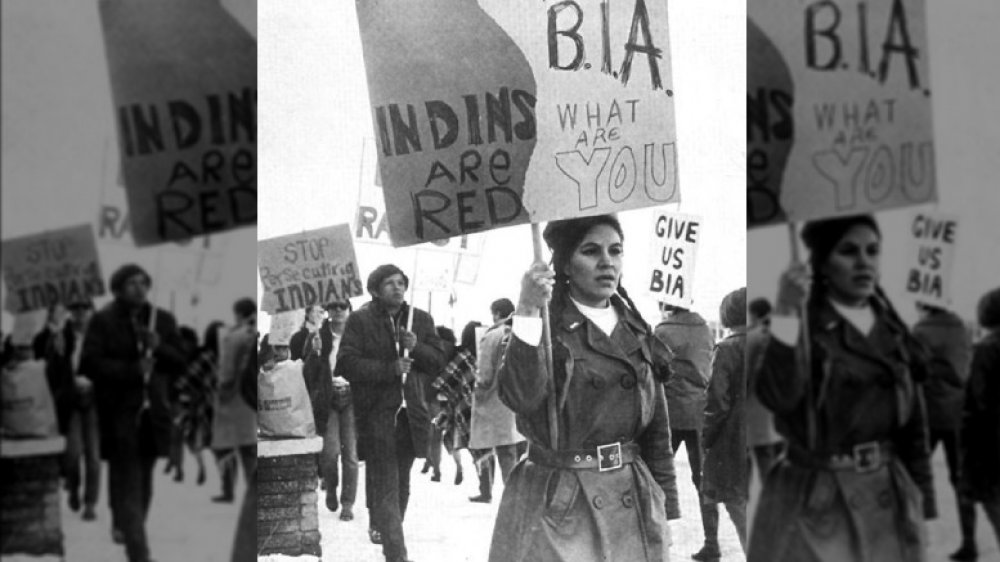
x=73, y=393
x=132, y=366
x=726, y=474
x=390, y=369
x=690, y=339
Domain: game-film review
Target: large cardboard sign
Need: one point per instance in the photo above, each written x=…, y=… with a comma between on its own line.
x=520, y=111
x=673, y=251
x=184, y=83
x=58, y=266
x=931, y=258
x=312, y=267
x=838, y=109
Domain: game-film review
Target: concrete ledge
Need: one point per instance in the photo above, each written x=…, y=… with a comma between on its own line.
x=11, y=448
x=287, y=447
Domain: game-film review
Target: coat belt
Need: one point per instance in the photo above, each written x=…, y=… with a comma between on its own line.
x=863, y=457
x=601, y=458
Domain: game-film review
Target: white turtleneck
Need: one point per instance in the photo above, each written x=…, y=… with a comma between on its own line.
x=786, y=328
x=529, y=328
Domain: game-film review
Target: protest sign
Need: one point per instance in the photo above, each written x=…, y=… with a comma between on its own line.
x=58, y=266
x=520, y=112
x=838, y=109
x=931, y=257
x=312, y=267
x=184, y=84
x=673, y=249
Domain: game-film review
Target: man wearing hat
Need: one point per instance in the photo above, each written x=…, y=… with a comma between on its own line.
x=60, y=343
x=390, y=369
x=131, y=352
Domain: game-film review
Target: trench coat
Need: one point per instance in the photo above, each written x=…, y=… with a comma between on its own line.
x=946, y=339
x=981, y=423
x=367, y=355
x=580, y=515
x=865, y=389
x=493, y=423
x=690, y=339
x=111, y=358
x=235, y=422
x=725, y=476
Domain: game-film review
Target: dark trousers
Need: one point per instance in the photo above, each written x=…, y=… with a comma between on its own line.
x=738, y=513
x=82, y=440
x=340, y=444
x=226, y=462
x=130, y=476
x=952, y=454
x=506, y=455
x=245, y=543
x=691, y=438
x=390, y=460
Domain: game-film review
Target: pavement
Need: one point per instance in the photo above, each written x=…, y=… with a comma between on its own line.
x=184, y=525
x=444, y=526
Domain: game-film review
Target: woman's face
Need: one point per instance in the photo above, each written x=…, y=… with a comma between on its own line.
x=595, y=266
x=314, y=314
x=852, y=269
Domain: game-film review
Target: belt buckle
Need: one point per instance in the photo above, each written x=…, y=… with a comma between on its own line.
x=867, y=456
x=609, y=457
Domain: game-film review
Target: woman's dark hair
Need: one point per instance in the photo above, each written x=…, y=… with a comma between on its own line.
x=446, y=334
x=245, y=307
x=469, y=336
x=563, y=237
x=189, y=336
x=821, y=237
x=211, y=341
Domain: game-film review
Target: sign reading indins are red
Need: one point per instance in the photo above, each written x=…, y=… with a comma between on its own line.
x=59, y=266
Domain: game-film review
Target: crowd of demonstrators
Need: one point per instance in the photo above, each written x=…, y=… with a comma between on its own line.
x=130, y=387
x=861, y=401
x=493, y=435
x=690, y=339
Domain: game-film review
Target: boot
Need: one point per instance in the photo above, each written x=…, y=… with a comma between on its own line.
x=710, y=524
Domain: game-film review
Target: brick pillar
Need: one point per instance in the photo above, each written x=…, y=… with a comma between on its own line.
x=287, y=478
x=30, y=522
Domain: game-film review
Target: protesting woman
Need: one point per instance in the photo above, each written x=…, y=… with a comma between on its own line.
x=604, y=488
x=196, y=393
x=856, y=484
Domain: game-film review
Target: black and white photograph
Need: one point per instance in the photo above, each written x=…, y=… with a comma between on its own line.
x=502, y=281
x=129, y=208
x=873, y=281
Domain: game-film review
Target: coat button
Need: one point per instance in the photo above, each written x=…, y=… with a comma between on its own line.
x=627, y=500
x=597, y=382
x=598, y=502
x=628, y=381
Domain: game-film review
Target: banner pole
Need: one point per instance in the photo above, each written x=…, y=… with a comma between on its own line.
x=806, y=347
x=553, y=414
x=413, y=295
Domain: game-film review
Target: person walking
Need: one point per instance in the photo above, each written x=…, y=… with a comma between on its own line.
x=234, y=424
x=949, y=348
x=690, y=339
x=980, y=439
x=726, y=476
x=493, y=428
x=196, y=396
x=763, y=438
x=856, y=483
x=600, y=484
x=61, y=345
x=389, y=368
x=131, y=351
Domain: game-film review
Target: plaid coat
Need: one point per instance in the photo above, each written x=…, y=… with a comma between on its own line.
x=454, y=393
x=195, y=396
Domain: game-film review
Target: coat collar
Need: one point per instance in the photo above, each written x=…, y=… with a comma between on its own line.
x=831, y=323
x=611, y=345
